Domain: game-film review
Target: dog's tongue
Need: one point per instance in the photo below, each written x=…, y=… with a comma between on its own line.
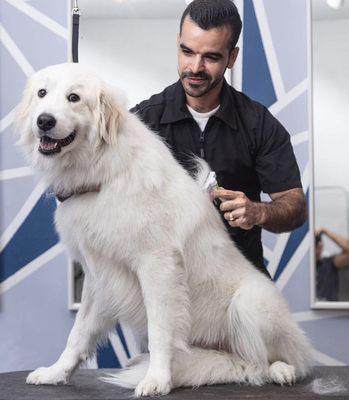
x=49, y=145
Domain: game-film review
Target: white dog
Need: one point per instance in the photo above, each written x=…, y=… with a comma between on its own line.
x=154, y=250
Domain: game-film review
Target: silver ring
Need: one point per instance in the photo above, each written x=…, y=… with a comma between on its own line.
x=231, y=216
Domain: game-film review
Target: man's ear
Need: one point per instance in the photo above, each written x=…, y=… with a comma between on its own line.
x=112, y=114
x=233, y=56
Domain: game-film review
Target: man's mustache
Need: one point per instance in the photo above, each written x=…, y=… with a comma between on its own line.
x=199, y=75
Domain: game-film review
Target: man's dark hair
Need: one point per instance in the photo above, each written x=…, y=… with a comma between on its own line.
x=210, y=14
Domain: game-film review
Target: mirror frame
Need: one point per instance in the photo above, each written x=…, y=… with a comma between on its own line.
x=314, y=303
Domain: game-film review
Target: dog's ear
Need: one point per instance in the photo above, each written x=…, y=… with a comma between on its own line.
x=112, y=114
x=22, y=110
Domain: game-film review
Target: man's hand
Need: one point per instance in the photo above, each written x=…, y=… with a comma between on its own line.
x=238, y=209
x=286, y=211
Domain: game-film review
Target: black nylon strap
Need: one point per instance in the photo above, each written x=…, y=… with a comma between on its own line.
x=75, y=37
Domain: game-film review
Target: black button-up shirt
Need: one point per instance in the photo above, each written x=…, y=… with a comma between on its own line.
x=249, y=150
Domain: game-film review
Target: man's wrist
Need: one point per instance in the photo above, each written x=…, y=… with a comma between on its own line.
x=261, y=214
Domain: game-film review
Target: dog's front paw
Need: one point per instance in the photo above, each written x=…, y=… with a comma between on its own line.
x=151, y=386
x=47, y=376
x=282, y=373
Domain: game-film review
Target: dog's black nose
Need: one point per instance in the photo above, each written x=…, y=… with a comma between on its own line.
x=46, y=122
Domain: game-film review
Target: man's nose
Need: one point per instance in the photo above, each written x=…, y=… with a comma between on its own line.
x=46, y=122
x=197, y=64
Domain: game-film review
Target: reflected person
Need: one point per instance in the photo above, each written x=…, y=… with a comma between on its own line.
x=327, y=268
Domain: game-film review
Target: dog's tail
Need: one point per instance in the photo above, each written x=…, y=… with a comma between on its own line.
x=247, y=340
x=132, y=374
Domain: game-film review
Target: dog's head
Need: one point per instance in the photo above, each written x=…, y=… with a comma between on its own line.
x=65, y=112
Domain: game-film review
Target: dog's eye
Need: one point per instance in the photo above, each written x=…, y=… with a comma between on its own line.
x=42, y=93
x=73, y=97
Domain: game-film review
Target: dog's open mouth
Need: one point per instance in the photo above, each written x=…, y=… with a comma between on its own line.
x=50, y=146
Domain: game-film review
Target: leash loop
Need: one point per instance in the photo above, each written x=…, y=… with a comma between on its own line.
x=76, y=9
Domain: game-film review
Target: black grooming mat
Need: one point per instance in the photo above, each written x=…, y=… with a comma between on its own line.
x=85, y=385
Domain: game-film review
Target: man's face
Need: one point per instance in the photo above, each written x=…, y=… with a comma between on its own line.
x=203, y=57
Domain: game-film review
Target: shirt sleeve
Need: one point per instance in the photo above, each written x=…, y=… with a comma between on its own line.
x=148, y=114
x=276, y=163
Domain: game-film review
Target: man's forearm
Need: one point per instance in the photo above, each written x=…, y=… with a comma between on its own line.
x=283, y=214
x=341, y=241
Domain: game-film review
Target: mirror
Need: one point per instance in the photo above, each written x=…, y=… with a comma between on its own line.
x=330, y=66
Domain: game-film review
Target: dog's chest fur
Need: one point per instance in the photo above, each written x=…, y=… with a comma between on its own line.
x=89, y=226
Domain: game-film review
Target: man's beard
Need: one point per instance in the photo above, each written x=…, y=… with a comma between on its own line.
x=200, y=88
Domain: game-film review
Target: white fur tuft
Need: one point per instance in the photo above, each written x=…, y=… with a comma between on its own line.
x=323, y=386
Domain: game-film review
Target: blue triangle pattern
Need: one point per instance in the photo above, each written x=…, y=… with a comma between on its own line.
x=35, y=236
x=106, y=357
x=123, y=339
x=293, y=242
x=257, y=81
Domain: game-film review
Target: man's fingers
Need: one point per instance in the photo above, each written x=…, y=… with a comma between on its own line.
x=225, y=194
x=238, y=222
x=233, y=215
x=229, y=205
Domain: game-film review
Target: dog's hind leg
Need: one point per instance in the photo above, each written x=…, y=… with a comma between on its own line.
x=245, y=329
x=207, y=367
x=89, y=326
x=264, y=333
x=290, y=353
x=282, y=373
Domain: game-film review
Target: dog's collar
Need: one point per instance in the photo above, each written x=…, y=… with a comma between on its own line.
x=83, y=190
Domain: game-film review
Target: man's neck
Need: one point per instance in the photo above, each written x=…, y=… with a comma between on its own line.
x=207, y=102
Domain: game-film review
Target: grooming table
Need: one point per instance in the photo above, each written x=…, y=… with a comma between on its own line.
x=85, y=385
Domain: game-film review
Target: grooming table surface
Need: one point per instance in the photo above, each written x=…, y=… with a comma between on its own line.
x=85, y=385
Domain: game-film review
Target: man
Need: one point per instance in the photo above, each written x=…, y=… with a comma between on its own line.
x=243, y=143
x=327, y=268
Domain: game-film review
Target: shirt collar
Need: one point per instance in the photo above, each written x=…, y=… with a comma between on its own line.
x=176, y=109
x=227, y=110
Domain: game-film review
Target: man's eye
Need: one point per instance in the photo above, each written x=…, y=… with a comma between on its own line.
x=73, y=98
x=42, y=93
x=212, y=58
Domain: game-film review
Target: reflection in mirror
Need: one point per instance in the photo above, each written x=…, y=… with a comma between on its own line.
x=331, y=244
x=78, y=282
x=331, y=161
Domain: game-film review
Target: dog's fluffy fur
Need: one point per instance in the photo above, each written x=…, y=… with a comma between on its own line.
x=154, y=251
